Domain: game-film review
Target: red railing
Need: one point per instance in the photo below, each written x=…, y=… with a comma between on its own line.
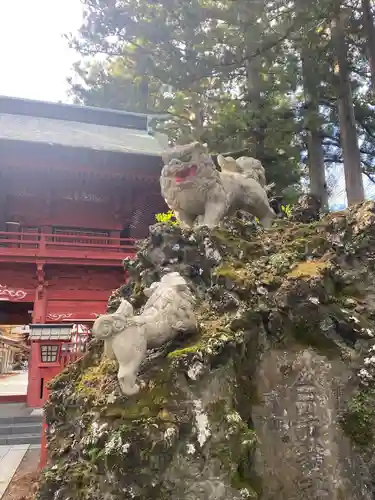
x=64, y=245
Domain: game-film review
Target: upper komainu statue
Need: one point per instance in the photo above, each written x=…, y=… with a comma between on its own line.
x=167, y=312
x=247, y=166
x=200, y=194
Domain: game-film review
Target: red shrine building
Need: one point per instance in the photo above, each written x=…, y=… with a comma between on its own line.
x=77, y=186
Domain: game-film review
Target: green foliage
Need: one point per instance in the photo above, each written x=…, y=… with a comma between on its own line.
x=230, y=74
x=166, y=218
x=359, y=419
x=287, y=210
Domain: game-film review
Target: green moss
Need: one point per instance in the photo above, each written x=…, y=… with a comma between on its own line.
x=178, y=353
x=90, y=382
x=303, y=230
x=299, y=245
x=227, y=271
x=281, y=262
x=151, y=403
x=308, y=269
x=80, y=474
x=237, y=245
x=358, y=422
x=236, y=447
x=245, y=477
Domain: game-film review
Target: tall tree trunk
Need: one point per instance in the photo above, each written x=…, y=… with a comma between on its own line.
x=254, y=87
x=199, y=128
x=348, y=133
x=252, y=35
x=317, y=173
x=369, y=35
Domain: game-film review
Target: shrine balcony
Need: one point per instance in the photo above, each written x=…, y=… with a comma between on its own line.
x=64, y=249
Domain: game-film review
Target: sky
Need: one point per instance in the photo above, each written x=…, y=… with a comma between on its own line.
x=35, y=59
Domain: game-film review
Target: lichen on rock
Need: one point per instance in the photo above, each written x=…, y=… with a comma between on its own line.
x=272, y=398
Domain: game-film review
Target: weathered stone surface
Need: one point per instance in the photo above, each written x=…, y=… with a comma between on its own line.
x=307, y=209
x=273, y=398
x=199, y=195
x=168, y=313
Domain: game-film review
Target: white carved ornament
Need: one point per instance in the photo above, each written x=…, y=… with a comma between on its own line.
x=62, y=316
x=12, y=293
x=59, y=317
x=81, y=196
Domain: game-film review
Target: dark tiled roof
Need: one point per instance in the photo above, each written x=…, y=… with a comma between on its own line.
x=77, y=134
x=76, y=126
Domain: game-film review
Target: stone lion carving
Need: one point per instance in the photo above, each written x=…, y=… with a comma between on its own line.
x=199, y=194
x=167, y=313
x=247, y=166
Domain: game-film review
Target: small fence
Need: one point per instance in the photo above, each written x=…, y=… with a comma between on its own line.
x=69, y=246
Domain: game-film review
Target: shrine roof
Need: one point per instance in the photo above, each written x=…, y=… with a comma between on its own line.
x=51, y=331
x=77, y=126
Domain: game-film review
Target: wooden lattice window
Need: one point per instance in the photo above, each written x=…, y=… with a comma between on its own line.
x=48, y=353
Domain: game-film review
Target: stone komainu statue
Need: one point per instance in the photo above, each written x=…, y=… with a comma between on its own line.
x=167, y=313
x=199, y=194
x=245, y=165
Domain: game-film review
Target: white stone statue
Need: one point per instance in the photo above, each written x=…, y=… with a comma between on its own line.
x=167, y=312
x=199, y=194
x=247, y=166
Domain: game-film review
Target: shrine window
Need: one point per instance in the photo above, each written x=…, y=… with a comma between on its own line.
x=60, y=232
x=48, y=353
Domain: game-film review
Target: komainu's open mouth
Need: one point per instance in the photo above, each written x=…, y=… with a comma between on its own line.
x=184, y=174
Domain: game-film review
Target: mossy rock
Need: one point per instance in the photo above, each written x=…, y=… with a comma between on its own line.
x=266, y=401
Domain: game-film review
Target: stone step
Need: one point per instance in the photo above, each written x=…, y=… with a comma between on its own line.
x=20, y=428
x=27, y=419
x=13, y=439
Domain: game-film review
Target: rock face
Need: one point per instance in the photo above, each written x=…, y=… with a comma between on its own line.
x=273, y=398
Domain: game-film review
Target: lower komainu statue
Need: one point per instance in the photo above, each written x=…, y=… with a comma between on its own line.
x=167, y=313
x=200, y=194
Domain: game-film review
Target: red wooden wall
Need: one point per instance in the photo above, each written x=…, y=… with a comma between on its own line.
x=71, y=292
x=79, y=291
x=17, y=278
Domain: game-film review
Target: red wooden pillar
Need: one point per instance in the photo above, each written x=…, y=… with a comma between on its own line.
x=40, y=303
x=43, y=441
x=116, y=235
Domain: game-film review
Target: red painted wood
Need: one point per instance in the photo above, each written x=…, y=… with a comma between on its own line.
x=79, y=292
x=13, y=398
x=17, y=282
x=39, y=374
x=68, y=277
x=64, y=249
x=68, y=310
